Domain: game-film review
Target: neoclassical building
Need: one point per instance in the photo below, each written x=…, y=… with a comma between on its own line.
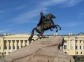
x=74, y=44
x=10, y=43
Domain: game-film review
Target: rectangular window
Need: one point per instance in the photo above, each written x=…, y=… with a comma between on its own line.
x=5, y=42
x=17, y=41
x=13, y=41
x=76, y=41
x=76, y=47
x=81, y=52
x=9, y=44
x=9, y=52
x=80, y=41
x=25, y=42
x=80, y=47
x=9, y=47
x=21, y=41
x=13, y=47
x=65, y=47
x=4, y=52
x=17, y=47
x=9, y=41
x=5, y=47
x=76, y=52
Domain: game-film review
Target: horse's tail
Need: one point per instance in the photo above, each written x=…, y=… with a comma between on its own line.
x=59, y=27
x=32, y=33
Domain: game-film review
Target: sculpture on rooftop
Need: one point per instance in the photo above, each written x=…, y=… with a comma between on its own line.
x=45, y=23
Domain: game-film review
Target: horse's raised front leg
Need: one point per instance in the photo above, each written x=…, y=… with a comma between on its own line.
x=56, y=28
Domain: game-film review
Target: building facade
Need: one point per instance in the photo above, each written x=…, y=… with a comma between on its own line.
x=74, y=44
x=10, y=43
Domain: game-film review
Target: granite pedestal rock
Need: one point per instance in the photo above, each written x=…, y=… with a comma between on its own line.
x=41, y=50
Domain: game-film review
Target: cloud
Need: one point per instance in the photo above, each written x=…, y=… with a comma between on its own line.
x=4, y=30
x=52, y=2
x=81, y=15
x=70, y=3
x=64, y=3
x=1, y=11
x=20, y=7
x=42, y=7
x=28, y=16
x=71, y=24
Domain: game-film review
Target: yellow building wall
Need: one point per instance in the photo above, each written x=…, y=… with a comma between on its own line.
x=71, y=46
x=1, y=45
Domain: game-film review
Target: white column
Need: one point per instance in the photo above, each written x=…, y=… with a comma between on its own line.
x=11, y=45
x=7, y=45
x=78, y=45
x=19, y=44
x=27, y=42
x=82, y=44
x=15, y=45
x=23, y=42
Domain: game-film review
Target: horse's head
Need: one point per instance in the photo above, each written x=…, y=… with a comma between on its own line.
x=50, y=16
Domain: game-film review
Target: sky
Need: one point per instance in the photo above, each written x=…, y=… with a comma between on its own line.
x=21, y=16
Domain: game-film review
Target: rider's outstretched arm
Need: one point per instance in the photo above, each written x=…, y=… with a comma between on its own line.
x=41, y=13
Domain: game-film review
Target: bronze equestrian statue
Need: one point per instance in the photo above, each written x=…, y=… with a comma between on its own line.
x=45, y=23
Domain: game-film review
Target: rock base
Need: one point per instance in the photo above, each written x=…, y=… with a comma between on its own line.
x=41, y=50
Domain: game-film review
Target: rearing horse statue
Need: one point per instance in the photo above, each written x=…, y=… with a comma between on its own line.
x=45, y=23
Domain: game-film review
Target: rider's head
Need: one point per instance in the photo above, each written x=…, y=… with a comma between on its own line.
x=50, y=16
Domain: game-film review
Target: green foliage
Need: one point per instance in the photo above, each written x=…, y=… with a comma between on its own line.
x=79, y=59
